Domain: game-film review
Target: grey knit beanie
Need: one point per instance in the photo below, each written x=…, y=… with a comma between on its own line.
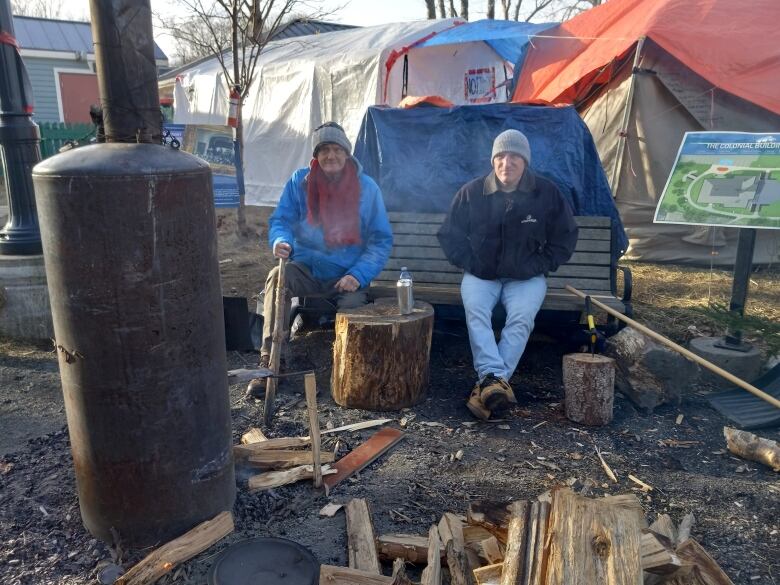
x=512, y=141
x=330, y=133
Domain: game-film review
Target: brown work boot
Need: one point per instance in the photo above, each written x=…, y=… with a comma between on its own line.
x=496, y=394
x=475, y=405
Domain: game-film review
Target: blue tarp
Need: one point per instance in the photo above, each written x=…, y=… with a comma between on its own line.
x=506, y=37
x=420, y=157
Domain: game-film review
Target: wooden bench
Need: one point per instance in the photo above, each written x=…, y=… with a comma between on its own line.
x=592, y=268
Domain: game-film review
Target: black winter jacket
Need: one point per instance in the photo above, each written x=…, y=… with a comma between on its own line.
x=518, y=235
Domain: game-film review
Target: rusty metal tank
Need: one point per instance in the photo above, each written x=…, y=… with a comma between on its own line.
x=129, y=243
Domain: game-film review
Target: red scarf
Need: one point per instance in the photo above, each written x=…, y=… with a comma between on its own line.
x=334, y=205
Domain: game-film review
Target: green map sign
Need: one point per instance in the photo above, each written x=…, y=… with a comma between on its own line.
x=727, y=179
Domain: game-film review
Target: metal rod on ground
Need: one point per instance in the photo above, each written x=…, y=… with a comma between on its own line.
x=276, y=343
x=678, y=348
x=310, y=383
x=742, y=268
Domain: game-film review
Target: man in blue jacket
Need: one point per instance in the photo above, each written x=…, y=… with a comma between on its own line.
x=332, y=225
x=507, y=231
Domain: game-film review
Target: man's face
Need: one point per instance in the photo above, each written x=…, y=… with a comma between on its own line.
x=332, y=159
x=509, y=167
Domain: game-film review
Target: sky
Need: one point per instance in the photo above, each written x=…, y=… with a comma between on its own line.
x=357, y=12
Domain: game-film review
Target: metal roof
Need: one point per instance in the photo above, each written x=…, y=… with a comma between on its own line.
x=68, y=36
x=295, y=28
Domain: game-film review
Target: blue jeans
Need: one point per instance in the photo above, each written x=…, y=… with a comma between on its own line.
x=521, y=300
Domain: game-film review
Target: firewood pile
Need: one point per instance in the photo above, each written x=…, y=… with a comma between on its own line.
x=561, y=538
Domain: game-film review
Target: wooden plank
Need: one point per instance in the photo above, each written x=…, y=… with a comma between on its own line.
x=253, y=435
x=489, y=575
x=413, y=217
x=416, y=228
x=583, y=271
x=431, y=575
x=274, y=479
x=310, y=386
x=592, y=284
x=164, y=559
x=415, y=252
x=423, y=277
x=592, y=541
x=330, y=575
x=591, y=258
x=513, y=571
x=416, y=265
x=595, y=234
x=249, y=449
x=420, y=241
x=409, y=547
x=593, y=221
x=361, y=546
x=355, y=460
x=592, y=245
x=286, y=458
x=705, y=570
x=461, y=565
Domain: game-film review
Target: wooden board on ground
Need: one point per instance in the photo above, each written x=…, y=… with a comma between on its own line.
x=273, y=479
x=286, y=458
x=380, y=357
x=164, y=559
x=431, y=575
x=361, y=546
x=592, y=541
x=364, y=454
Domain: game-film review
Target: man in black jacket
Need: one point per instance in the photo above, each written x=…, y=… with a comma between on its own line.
x=506, y=230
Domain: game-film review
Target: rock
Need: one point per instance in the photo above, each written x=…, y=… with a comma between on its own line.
x=649, y=374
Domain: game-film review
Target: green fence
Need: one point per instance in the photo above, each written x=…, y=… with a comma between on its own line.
x=54, y=135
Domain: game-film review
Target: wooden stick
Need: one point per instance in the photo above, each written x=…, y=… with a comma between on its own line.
x=310, y=384
x=687, y=353
x=366, y=424
x=168, y=556
x=249, y=449
x=645, y=487
x=273, y=479
x=276, y=344
x=361, y=545
x=607, y=468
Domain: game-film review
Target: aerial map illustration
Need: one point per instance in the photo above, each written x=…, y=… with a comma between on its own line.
x=724, y=178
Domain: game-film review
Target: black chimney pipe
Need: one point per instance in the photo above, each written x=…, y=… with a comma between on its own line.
x=126, y=69
x=20, y=145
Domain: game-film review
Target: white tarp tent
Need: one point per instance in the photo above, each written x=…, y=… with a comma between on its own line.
x=304, y=81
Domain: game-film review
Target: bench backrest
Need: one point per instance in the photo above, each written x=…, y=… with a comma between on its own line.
x=591, y=267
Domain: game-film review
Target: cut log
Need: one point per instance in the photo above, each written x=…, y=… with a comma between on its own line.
x=491, y=515
x=380, y=357
x=361, y=546
x=286, y=458
x=752, y=447
x=247, y=450
x=460, y=563
x=167, y=557
x=355, y=460
x=411, y=548
x=705, y=570
x=658, y=554
x=589, y=388
x=489, y=575
x=592, y=541
x=431, y=575
x=310, y=385
x=274, y=479
x=330, y=575
x=253, y=435
x=513, y=572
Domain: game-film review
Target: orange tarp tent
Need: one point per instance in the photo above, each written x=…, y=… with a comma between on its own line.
x=707, y=36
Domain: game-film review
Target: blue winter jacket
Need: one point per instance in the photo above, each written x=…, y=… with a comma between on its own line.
x=364, y=262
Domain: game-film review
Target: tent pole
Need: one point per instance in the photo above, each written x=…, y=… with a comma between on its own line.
x=621, y=146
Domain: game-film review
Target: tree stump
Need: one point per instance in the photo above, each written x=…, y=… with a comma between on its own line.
x=589, y=387
x=380, y=357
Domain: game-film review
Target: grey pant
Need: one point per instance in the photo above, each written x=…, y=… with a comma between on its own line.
x=299, y=282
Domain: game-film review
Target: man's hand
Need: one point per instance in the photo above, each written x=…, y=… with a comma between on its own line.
x=282, y=250
x=347, y=283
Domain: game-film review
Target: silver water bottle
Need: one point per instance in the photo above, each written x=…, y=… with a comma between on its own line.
x=405, y=292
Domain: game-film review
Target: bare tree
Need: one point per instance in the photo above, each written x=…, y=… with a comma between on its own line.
x=235, y=32
x=442, y=12
x=38, y=8
x=464, y=9
x=491, y=9
x=453, y=13
x=430, y=6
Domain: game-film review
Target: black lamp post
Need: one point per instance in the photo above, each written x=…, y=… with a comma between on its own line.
x=20, y=145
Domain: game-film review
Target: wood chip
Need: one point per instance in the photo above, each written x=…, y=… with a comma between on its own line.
x=329, y=510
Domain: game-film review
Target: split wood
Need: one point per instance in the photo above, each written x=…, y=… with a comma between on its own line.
x=679, y=349
x=277, y=339
x=310, y=384
x=361, y=544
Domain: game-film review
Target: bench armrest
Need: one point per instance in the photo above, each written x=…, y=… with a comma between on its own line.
x=628, y=283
